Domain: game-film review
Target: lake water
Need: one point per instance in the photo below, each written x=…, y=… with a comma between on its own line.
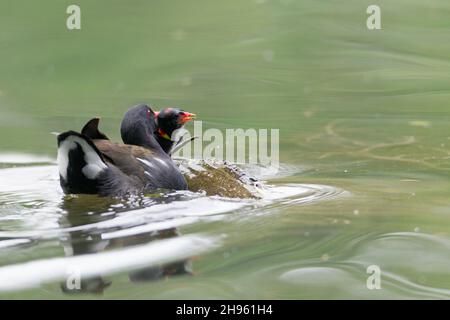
x=364, y=148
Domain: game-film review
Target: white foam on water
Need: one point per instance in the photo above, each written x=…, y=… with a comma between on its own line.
x=13, y=242
x=24, y=158
x=31, y=198
x=28, y=183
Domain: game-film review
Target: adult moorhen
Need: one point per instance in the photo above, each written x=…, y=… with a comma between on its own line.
x=168, y=120
x=90, y=163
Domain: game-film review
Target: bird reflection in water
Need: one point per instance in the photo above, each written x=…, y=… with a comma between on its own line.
x=85, y=210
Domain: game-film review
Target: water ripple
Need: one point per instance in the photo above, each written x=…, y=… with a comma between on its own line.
x=102, y=236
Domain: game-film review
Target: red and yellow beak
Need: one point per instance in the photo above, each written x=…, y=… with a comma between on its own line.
x=186, y=116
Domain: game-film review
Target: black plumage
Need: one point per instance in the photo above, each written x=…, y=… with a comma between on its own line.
x=169, y=120
x=90, y=163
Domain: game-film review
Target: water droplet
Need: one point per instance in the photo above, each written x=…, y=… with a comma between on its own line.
x=178, y=35
x=186, y=81
x=420, y=123
x=308, y=113
x=325, y=257
x=268, y=55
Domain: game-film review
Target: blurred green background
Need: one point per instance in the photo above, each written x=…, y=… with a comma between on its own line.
x=293, y=65
x=366, y=111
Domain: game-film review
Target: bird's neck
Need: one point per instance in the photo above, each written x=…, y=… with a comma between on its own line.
x=163, y=134
x=166, y=144
x=140, y=134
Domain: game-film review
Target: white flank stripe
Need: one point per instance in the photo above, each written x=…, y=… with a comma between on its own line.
x=94, y=164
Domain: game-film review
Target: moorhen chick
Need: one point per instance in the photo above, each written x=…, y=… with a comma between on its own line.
x=214, y=178
x=89, y=163
x=168, y=120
